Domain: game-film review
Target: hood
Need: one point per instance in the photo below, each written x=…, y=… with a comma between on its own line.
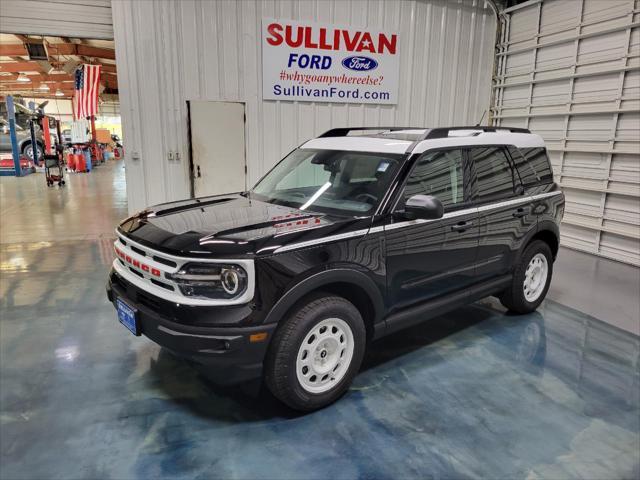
x=229, y=226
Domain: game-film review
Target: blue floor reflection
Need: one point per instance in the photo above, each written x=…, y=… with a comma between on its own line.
x=475, y=393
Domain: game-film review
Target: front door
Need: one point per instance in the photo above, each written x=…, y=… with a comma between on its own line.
x=217, y=147
x=429, y=258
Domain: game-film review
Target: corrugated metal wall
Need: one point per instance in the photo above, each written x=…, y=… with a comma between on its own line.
x=171, y=52
x=66, y=18
x=568, y=70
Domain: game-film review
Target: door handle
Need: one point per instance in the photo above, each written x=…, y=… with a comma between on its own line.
x=198, y=170
x=461, y=226
x=521, y=212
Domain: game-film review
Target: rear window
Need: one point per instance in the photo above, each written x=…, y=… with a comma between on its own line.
x=533, y=165
x=494, y=173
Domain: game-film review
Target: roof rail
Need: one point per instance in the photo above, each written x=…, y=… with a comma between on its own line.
x=343, y=132
x=443, y=132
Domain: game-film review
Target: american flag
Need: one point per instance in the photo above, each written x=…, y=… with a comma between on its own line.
x=85, y=98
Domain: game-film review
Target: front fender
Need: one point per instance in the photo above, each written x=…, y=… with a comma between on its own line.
x=324, y=278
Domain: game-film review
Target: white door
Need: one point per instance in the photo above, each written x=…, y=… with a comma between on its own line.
x=217, y=147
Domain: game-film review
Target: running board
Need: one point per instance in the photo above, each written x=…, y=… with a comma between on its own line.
x=419, y=313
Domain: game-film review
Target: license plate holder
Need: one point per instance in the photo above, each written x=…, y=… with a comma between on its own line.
x=128, y=316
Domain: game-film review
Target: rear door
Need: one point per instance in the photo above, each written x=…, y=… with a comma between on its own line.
x=429, y=258
x=505, y=213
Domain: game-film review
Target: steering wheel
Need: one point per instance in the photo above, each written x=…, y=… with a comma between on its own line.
x=366, y=197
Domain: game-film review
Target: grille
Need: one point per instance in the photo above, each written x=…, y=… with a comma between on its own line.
x=139, y=251
x=151, y=270
x=166, y=286
x=165, y=261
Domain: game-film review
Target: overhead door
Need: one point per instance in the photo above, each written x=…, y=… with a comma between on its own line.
x=64, y=18
x=569, y=71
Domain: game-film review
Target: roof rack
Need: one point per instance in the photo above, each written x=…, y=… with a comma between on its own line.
x=430, y=133
x=343, y=132
x=444, y=131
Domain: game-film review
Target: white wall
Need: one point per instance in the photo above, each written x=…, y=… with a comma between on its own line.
x=570, y=71
x=171, y=52
x=66, y=18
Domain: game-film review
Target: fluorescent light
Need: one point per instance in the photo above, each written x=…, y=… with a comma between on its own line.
x=44, y=87
x=23, y=78
x=59, y=93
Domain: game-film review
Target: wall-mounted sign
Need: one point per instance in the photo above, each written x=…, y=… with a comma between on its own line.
x=314, y=62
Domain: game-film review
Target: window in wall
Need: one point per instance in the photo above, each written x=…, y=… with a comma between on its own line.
x=494, y=175
x=439, y=174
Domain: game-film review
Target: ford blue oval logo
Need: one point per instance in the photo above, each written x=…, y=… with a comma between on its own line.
x=359, y=63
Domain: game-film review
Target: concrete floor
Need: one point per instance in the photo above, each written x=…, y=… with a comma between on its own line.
x=475, y=393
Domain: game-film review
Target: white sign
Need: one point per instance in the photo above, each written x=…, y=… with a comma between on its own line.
x=323, y=63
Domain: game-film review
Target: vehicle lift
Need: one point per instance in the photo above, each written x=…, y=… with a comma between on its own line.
x=16, y=170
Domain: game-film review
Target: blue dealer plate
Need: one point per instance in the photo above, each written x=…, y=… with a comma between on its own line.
x=127, y=316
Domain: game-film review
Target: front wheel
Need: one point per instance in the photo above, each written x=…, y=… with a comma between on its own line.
x=315, y=353
x=27, y=151
x=531, y=279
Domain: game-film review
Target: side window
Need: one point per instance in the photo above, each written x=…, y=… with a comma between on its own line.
x=533, y=166
x=439, y=174
x=494, y=175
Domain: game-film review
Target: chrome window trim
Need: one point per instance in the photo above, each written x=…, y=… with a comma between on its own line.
x=466, y=211
x=175, y=296
x=408, y=223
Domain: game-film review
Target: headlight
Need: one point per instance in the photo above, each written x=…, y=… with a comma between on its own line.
x=209, y=280
x=230, y=280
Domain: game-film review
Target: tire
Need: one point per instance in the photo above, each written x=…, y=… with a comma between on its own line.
x=531, y=279
x=317, y=336
x=27, y=151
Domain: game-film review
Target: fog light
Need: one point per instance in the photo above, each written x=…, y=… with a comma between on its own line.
x=230, y=281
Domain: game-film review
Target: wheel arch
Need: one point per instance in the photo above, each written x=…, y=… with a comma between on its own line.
x=549, y=233
x=27, y=141
x=24, y=144
x=353, y=285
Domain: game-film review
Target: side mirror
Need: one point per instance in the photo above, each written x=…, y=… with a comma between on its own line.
x=426, y=207
x=5, y=129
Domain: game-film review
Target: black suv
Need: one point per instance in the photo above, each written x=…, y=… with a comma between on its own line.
x=354, y=235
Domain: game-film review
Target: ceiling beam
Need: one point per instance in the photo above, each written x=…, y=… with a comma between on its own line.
x=52, y=95
x=67, y=40
x=40, y=77
x=109, y=82
x=20, y=88
x=10, y=50
x=30, y=66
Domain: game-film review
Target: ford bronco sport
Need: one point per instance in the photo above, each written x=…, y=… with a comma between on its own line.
x=352, y=236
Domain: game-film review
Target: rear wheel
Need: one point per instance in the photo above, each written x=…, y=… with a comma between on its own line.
x=531, y=279
x=315, y=353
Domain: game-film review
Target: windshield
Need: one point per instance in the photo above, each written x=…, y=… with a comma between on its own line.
x=330, y=181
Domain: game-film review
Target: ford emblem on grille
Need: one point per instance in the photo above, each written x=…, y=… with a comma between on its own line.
x=359, y=63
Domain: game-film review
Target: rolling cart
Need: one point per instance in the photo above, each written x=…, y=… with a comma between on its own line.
x=53, y=162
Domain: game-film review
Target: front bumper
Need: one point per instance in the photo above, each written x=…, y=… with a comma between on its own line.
x=226, y=354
